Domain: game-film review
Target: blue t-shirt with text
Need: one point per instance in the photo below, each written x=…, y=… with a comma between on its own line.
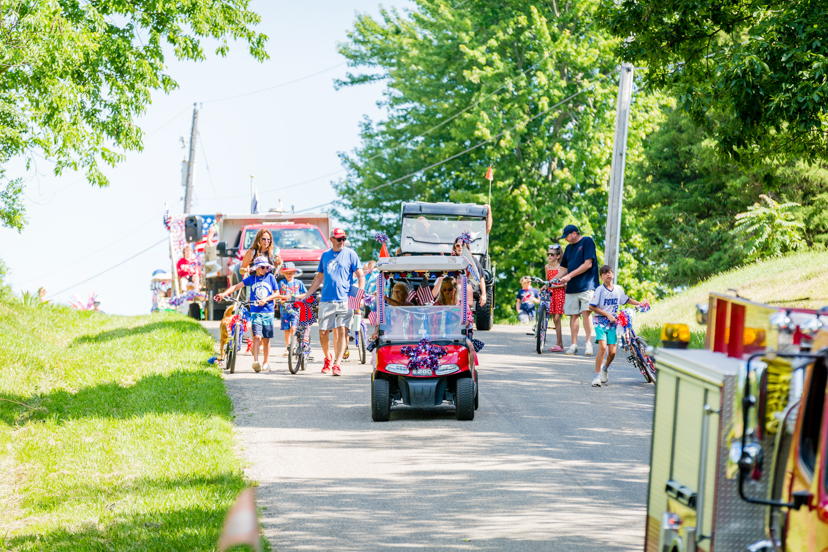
x=574, y=256
x=338, y=268
x=263, y=286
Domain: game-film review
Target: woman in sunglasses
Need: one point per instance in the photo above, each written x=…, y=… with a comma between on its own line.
x=262, y=247
x=554, y=271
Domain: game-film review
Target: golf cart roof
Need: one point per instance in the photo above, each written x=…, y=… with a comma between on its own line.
x=422, y=263
x=420, y=208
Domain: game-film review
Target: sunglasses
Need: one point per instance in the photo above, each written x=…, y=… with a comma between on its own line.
x=553, y=254
x=340, y=239
x=265, y=239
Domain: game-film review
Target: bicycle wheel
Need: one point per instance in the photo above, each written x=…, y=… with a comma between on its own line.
x=235, y=344
x=363, y=352
x=295, y=353
x=648, y=363
x=540, y=329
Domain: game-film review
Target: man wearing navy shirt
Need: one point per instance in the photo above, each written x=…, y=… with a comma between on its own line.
x=581, y=279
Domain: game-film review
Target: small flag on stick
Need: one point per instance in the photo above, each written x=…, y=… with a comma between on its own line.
x=490, y=174
x=355, y=298
x=242, y=524
x=424, y=296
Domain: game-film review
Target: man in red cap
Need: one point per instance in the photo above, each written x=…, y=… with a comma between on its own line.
x=334, y=275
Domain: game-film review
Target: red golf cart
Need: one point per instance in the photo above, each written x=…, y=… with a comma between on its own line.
x=423, y=353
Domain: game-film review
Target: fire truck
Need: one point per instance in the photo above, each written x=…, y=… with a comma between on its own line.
x=738, y=454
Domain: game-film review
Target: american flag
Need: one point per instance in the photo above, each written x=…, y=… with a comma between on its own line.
x=372, y=318
x=411, y=296
x=355, y=298
x=424, y=296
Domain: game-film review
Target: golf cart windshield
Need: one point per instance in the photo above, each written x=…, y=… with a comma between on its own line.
x=436, y=233
x=416, y=323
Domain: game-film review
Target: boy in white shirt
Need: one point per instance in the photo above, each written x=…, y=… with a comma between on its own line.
x=605, y=304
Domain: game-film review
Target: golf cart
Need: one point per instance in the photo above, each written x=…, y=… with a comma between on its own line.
x=431, y=228
x=422, y=355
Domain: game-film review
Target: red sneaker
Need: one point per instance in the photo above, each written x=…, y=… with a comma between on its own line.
x=337, y=371
x=326, y=368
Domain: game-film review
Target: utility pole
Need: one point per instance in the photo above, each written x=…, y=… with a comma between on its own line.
x=619, y=160
x=188, y=192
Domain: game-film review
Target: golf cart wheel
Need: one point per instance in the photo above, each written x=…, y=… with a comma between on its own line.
x=484, y=315
x=235, y=345
x=540, y=331
x=380, y=400
x=295, y=353
x=464, y=399
x=363, y=352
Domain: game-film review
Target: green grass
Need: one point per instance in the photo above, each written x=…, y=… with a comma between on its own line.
x=795, y=281
x=115, y=433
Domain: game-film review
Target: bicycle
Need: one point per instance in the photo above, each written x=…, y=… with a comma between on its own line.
x=542, y=319
x=360, y=336
x=238, y=328
x=634, y=344
x=299, y=349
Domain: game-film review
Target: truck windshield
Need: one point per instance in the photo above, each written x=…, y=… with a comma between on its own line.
x=290, y=238
x=436, y=234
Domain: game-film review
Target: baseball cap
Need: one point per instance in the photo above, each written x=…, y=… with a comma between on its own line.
x=338, y=233
x=568, y=230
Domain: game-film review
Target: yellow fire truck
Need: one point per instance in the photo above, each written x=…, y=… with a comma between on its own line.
x=738, y=456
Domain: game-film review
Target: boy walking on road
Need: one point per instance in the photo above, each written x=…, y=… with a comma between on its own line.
x=262, y=295
x=334, y=275
x=605, y=304
x=581, y=279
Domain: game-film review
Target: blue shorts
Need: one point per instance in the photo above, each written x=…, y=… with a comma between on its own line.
x=289, y=320
x=262, y=324
x=606, y=335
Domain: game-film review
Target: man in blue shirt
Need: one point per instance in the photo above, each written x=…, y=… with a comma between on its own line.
x=581, y=279
x=336, y=270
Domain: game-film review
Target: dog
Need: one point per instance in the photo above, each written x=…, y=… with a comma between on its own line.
x=226, y=328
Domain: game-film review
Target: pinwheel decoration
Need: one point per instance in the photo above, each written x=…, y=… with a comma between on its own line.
x=381, y=237
x=644, y=306
x=424, y=355
x=465, y=238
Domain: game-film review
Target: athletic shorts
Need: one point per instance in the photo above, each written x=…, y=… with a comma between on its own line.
x=334, y=314
x=262, y=324
x=576, y=303
x=606, y=335
x=289, y=320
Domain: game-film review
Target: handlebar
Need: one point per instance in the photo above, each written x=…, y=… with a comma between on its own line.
x=554, y=282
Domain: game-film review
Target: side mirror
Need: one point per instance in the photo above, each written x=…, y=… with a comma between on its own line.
x=221, y=249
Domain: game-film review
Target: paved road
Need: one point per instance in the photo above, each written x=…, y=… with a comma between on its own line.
x=549, y=463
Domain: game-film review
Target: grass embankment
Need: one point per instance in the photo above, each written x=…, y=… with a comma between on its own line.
x=793, y=281
x=115, y=433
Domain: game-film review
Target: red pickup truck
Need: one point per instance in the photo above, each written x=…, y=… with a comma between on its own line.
x=301, y=240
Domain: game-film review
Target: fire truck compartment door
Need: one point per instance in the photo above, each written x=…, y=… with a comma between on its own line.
x=686, y=400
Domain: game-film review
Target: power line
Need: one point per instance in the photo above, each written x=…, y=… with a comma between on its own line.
x=111, y=267
x=168, y=122
x=276, y=86
x=401, y=144
x=474, y=147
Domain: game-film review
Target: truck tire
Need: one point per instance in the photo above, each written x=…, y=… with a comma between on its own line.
x=464, y=399
x=195, y=311
x=484, y=316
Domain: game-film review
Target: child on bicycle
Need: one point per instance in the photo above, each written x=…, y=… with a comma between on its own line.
x=263, y=292
x=557, y=294
x=289, y=288
x=605, y=303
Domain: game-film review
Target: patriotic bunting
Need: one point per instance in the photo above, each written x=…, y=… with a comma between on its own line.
x=424, y=355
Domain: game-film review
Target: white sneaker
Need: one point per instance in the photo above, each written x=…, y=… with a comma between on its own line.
x=266, y=367
x=286, y=353
x=256, y=366
x=596, y=381
x=604, y=373
x=588, y=349
x=572, y=349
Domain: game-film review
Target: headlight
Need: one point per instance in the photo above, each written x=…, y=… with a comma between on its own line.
x=397, y=368
x=446, y=369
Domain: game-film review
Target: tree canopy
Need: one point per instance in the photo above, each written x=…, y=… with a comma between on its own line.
x=762, y=64
x=526, y=86
x=75, y=74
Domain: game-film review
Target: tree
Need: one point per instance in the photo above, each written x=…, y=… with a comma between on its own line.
x=770, y=229
x=687, y=197
x=512, y=84
x=761, y=64
x=75, y=74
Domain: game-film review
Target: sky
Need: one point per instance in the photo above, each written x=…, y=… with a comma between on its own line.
x=282, y=137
